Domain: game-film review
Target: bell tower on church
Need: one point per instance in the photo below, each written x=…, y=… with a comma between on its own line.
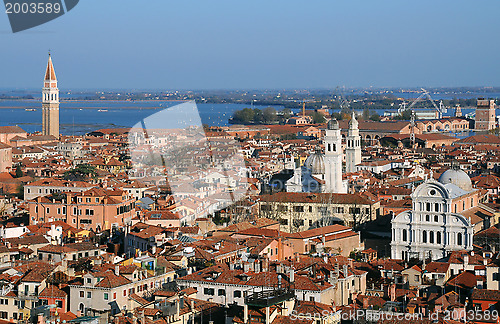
x=333, y=158
x=50, y=102
x=353, y=150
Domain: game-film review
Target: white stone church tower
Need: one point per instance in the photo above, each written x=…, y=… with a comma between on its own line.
x=333, y=158
x=353, y=149
x=50, y=102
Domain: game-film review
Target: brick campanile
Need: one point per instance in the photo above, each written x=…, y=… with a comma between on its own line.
x=50, y=102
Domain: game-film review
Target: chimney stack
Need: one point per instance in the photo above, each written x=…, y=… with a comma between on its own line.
x=344, y=270
x=265, y=265
x=393, y=292
x=365, y=303
x=245, y=314
x=117, y=269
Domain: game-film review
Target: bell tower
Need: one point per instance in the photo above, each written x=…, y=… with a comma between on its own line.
x=333, y=158
x=353, y=150
x=50, y=102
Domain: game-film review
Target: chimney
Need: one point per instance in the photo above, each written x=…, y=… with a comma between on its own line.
x=393, y=292
x=153, y=250
x=265, y=265
x=344, y=270
x=466, y=259
x=117, y=269
x=292, y=275
x=256, y=266
x=365, y=303
x=40, y=319
x=245, y=314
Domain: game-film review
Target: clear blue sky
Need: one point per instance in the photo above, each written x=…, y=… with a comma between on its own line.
x=211, y=44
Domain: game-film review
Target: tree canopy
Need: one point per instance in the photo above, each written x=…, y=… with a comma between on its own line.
x=81, y=172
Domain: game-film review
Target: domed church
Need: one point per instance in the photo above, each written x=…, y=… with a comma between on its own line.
x=435, y=225
x=322, y=172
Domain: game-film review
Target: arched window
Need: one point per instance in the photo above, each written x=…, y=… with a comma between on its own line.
x=428, y=206
x=329, y=147
x=436, y=207
x=438, y=237
x=334, y=149
x=463, y=205
x=424, y=237
x=427, y=218
x=436, y=218
x=459, y=239
x=431, y=237
x=455, y=208
x=405, y=235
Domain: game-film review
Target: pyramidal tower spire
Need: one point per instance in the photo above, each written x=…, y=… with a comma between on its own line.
x=50, y=74
x=50, y=102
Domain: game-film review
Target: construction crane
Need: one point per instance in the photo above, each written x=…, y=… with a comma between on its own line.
x=440, y=110
x=345, y=105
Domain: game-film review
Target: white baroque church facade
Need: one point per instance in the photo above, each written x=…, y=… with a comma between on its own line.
x=433, y=227
x=322, y=172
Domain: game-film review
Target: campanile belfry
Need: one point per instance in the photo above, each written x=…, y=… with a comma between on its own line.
x=50, y=102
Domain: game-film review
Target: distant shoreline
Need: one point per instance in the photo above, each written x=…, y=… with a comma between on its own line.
x=17, y=107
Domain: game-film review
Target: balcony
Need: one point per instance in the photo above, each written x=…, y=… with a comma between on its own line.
x=23, y=296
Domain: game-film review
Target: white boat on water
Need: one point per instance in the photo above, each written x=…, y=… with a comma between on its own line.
x=30, y=109
x=102, y=110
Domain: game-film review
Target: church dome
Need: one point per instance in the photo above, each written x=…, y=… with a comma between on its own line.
x=457, y=177
x=333, y=124
x=316, y=162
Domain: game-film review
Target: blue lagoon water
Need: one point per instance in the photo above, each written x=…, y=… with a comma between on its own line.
x=77, y=117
